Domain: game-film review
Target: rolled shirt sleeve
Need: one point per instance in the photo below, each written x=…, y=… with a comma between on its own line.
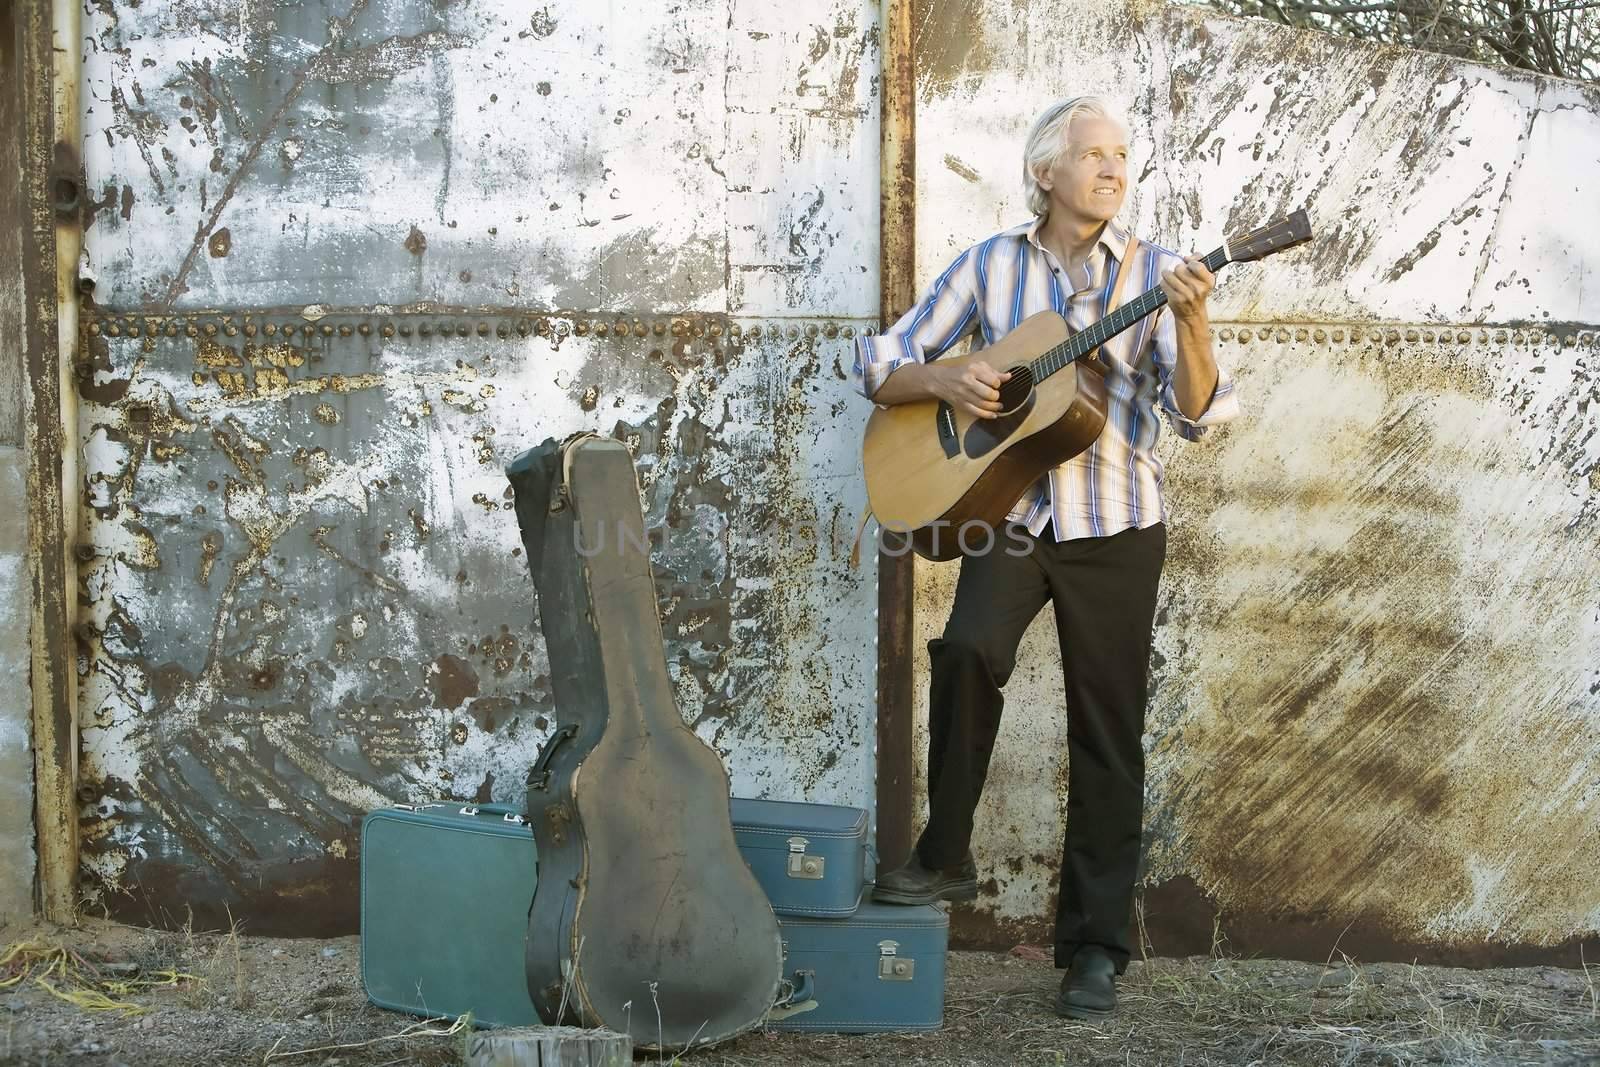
x=1224, y=403
x=946, y=314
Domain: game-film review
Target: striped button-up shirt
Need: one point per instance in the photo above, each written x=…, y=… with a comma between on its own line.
x=1115, y=484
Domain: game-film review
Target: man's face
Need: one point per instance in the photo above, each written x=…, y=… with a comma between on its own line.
x=1090, y=177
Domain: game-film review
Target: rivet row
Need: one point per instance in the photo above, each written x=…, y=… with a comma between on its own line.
x=1395, y=335
x=410, y=325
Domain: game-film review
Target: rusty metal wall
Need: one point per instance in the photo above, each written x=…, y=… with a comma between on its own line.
x=1375, y=720
x=40, y=109
x=348, y=259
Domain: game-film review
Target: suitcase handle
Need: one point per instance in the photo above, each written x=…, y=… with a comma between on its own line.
x=508, y=812
x=539, y=775
x=801, y=990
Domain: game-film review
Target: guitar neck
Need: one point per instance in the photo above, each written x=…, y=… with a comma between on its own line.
x=1083, y=342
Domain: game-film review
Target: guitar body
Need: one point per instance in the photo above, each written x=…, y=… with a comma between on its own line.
x=643, y=902
x=931, y=469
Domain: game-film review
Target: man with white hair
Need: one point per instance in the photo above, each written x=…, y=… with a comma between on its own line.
x=1094, y=526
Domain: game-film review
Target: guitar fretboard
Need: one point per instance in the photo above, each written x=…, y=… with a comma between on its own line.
x=1085, y=341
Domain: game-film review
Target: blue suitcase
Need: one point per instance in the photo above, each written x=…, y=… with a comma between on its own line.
x=879, y=970
x=445, y=890
x=810, y=858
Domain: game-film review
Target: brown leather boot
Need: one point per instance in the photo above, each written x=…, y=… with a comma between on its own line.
x=916, y=884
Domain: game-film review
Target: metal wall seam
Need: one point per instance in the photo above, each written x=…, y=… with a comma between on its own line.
x=49, y=111
x=896, y=766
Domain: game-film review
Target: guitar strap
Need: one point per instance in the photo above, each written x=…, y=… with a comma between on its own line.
x=1116, y=287
x=1116, y=302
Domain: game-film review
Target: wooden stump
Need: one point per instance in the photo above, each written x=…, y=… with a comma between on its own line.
x=549, y=1046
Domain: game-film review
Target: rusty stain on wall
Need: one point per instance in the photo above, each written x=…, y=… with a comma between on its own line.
x=367, y=260
x=1375, y=718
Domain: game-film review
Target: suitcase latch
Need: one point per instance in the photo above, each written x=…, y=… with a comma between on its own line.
x=893, y=967
x=802, y=865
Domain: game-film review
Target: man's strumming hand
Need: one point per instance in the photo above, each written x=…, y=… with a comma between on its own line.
x=970, y=387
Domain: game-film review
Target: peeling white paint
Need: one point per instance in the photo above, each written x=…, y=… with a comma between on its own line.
x=717, y=157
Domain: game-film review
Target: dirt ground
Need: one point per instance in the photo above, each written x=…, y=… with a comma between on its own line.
x=204, y=999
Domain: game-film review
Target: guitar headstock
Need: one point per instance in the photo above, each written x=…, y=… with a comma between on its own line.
x=1293, y=229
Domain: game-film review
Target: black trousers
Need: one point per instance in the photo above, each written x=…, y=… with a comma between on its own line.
x=1104, y=593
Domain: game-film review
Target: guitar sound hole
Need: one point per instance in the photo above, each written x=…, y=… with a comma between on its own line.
x=1015, y=393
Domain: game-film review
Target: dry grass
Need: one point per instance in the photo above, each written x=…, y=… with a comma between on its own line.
x=1227, y=1010
x=214, y=965
x=213, y=998
x=80, y=979
x=1223, y=1009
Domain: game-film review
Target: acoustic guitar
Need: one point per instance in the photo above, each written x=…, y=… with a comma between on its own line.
x=933, y=471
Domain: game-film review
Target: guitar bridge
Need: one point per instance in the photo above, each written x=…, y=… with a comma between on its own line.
x=949, y=440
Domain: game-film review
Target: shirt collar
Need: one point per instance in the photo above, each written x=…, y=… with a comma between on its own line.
x=1113, y=238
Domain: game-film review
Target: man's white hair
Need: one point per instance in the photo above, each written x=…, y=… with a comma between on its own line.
x=1048, y=139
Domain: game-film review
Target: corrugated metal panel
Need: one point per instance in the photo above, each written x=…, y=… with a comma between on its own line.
x=1375, y=708
x=305, y=593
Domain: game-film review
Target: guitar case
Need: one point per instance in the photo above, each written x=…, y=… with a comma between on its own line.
x=643, y=903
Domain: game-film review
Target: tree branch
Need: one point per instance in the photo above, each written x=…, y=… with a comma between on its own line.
x=1559, y=37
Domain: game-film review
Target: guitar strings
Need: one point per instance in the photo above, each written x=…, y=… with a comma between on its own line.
x=1103, y=330
x=1058, y=355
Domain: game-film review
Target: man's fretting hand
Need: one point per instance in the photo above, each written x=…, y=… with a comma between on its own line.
x=1187, y=286
x=970, y=387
